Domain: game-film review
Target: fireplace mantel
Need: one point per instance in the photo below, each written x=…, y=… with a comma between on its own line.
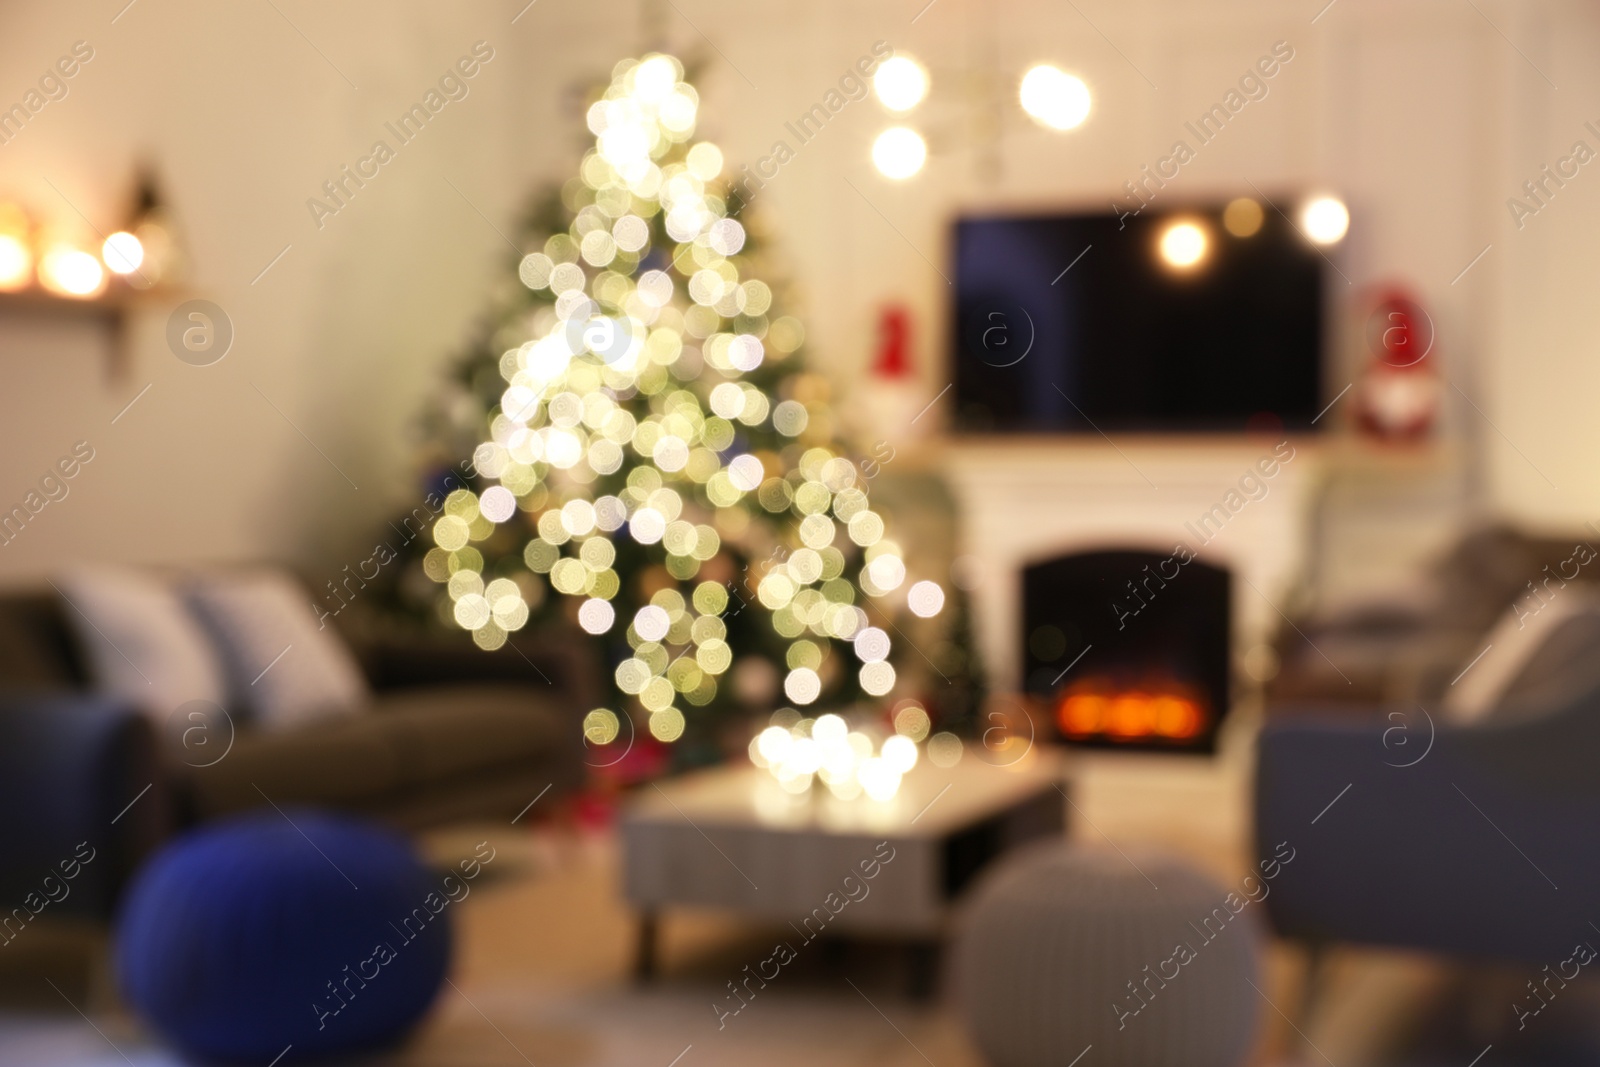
x=1029, y=499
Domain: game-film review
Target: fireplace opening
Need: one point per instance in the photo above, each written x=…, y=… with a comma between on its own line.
x=1129, y=649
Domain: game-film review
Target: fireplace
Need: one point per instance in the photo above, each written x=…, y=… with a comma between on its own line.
x=1026, y=501
x=1129, y=649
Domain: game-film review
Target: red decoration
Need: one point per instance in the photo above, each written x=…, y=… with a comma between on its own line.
x=1397, y=396
x=894, y=343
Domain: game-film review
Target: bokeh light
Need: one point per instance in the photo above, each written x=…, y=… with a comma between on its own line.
x=1054, y=98
x=16, y=263
x=655, y=433
x=122, y=252
x=899, y=152
x=900, y=83
x=1325, y=220
x=72, y=272
x=601, y=726
x=1183, y=245
x=925, y=599
x=1243, y=217
x=945, y=749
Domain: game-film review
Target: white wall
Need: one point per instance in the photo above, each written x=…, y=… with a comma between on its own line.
x=245, y=120
x=1426, y=118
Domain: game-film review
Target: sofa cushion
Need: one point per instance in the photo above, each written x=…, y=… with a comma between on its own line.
x=443, y=731
x=142, y=644
x=351, y=763
x=38, y=649
x=401, y=745
x=282, y=666
x=1560, y=672
x=1530, y=655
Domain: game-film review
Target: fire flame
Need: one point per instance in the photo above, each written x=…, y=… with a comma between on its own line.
x=1149, y=711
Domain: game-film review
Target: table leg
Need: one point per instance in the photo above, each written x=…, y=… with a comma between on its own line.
x=834, y=951
x=644, y=955
x=923, y=960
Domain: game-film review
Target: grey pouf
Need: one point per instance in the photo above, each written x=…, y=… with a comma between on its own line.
x=1063, y=947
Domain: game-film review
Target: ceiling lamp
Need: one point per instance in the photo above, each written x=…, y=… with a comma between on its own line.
x=899, y=152
x=1054, y=98
x=1325, y=220
x=900, y=83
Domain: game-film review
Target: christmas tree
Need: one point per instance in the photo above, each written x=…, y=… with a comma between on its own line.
x=658, y=457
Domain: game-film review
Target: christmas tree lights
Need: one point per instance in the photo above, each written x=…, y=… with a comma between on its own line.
x=658, y=432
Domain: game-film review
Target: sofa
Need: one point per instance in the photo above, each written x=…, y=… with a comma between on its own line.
x=1411, y=644
x=451, y=732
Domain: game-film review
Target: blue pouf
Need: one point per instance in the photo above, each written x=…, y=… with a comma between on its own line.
x=243, y=938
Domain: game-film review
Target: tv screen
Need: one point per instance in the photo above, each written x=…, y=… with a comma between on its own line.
x=1193, y=320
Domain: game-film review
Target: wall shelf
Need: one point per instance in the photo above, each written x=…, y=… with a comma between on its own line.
x=113, y=311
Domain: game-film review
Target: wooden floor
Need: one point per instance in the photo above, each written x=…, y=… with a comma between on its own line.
x=545, y=943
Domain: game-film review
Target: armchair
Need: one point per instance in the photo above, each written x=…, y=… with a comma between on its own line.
x=82, y=801
x=1473, y=840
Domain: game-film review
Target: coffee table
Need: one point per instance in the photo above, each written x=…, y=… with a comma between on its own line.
x=731, y=839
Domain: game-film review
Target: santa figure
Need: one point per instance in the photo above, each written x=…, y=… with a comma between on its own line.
x=1397, y=395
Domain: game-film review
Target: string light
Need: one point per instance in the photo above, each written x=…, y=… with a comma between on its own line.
x=16, y=263
x=1049, y=95
x=122, y=252
x=71, y=272
x=797, y=752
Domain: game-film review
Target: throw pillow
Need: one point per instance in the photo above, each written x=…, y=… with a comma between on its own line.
x=139, y=640
x=282, y=667
x=1517, y=640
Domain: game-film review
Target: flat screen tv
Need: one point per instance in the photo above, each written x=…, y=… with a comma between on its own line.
x=1166, y=322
